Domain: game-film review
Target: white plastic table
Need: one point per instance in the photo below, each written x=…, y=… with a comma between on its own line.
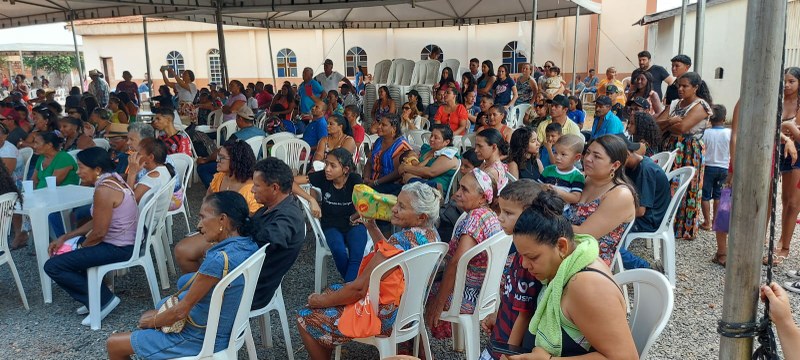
x=38, y=206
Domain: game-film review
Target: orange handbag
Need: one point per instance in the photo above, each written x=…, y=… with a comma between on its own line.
x=359, y=320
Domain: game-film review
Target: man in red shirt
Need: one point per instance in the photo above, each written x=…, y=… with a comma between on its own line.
x=263, y=95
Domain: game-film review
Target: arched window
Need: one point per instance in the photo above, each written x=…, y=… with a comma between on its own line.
x=426, y=52
x=175, y=61
x=214, y=67
x=355, y=57
x=512, y=58
x=287, y=63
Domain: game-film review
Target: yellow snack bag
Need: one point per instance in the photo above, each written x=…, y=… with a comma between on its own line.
x=371, y=204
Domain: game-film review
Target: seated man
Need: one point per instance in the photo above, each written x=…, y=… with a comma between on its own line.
x=280, y=223
x=318, y=127
x=653, y=189
x=207, y=166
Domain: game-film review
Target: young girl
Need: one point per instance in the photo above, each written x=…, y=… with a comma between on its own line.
x=523, y=158
x=576, y=113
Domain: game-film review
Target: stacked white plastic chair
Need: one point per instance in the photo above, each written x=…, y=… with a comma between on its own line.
x=7, y=203
x=400, y=79
x=426, y=74
x=380, y=77
x=517, y=113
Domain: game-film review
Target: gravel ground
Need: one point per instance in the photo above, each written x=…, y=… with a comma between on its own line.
x=53, y=331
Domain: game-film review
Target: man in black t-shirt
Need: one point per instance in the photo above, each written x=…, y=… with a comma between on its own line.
x=680, y=66
x=658, y=73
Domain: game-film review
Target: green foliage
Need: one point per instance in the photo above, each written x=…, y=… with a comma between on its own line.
x=58, y=64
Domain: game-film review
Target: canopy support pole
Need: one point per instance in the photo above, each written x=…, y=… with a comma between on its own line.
x=221, y=40
x=575, y=50
x=344, y=53
x=760, y=95
x=699, y=29
x=271, y=58
x=684, y=5
x=533, y=31
x=147, y=58
x=77, y=54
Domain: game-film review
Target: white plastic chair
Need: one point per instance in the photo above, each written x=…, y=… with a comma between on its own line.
x=425, y=124
x=322, y=250
x=256, y=143
x=415, y=137
x=147, y=231
x=452, y=183
x=249, y=269
x=294, y=152
x=467, y=141
x=665, y=232
x=215, y=118
x=518, y=112
x=651, y=307
x=25, y=155
x=466, y=327
x=184, y=167
x=276, y=304
x=269, y=140
x=665, y=159
x=426, y=138
x=74, y=154
x=7, y=203
x=102, y=143
x=229, y=127
x=410, y=323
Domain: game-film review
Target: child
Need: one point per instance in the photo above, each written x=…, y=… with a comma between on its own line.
x=523, y=157
x=472, y=110
x=717, y=158
x=519, y=288
x=576, y=113
x=553, y=83
x=563, y=176
x=552, y=134
x=486, y=104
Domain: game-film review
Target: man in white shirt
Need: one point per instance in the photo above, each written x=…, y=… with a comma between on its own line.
x=330, y=79
x=475, y=68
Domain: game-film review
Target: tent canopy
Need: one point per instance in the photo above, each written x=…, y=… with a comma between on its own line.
x=297, y=14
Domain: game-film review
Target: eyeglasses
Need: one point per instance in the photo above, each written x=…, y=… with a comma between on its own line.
x=223, y=158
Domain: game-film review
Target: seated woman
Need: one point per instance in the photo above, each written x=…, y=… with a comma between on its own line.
x=644, y=130
x=523, y=157
x=476, y=191
x=335, y=184
x=381, y=170
x=52, y=161
x=608, y=202
x=416, y=214
x=340, y=135
x=334, y=107
x=447, y=81
x=409, y=118
x=72, y=132
x=590, y=315
x=119, y=114
x=44, y=120
x=150, y=156
x=235, y=163
x=437, y=162
x=496, y=116
x=107, y=238
x=453, y=114
x=491, y=147
x=226, y=226
x=100, y=119
x=450, y=212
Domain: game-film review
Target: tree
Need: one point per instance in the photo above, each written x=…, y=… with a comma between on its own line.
x=56, y=64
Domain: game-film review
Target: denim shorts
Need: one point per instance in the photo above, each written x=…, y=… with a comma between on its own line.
x=713, y=179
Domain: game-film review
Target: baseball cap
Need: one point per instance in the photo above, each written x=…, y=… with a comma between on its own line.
x=612, y=89
x=603, y=100
x=245, y=113
x=560, y=100
x=632, y=146
x=641, y=102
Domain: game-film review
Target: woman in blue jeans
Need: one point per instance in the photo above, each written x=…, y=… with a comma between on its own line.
x=106, y=239
x=335, y=184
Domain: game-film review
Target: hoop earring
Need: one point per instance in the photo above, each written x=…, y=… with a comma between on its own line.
x=612, y=174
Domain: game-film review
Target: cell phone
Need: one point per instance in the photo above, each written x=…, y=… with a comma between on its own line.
x=508, y=349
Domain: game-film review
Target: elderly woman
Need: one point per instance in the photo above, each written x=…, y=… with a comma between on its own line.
x=225, y=224
x=475, y=193
x=335, y=186
x=416, y=214
x=583, y=307
x=453, y=114
x=235, y=163
x=608, y=203
x=150, y=159
x=186, y=91
x=340, y=135
x=72, y=132
x=381, y=171
x=438, y=161
x=177, y=142
x=107, y=238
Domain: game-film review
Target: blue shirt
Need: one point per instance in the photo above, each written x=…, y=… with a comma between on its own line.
x=503, y=91
x=306, y=90
x=316, y=130
x=611, y=125
x=544, y=155
x=577, y=116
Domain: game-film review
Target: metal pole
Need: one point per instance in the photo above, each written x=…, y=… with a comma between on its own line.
x=271, y=58
x=699, y=29
x=221, y=40
x=77, y=54
x=344, y=52
x=575, y=50
x=760, y=94
x=533, y=29
x=684, y=5
x=147, y=58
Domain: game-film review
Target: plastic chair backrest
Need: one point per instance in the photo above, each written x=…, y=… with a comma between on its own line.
x=496, y=248
x=74, y=153
x=229, y=127
x=184, y=167
x=519, y=113
x=452, y=183
x=662, y=159
x=26, y=154
x=215, y=118
x=316, y=226
x=270, y=140
x=453, y=64
x=426, y=138
x=255, y=143
x=395, y=72
x=7, y=203
x=652, y=305
x=102, y=143
x=468, y=141
x=415, y=136
x=407, y=73
x=291, y=151
x=250, y=269
x=423, y=260
x=426, y=72
x=684, y=176
x=381, y=73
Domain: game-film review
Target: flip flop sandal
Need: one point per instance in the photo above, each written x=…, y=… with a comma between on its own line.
x=792, y=286
x=793, y=274
x=720, y=259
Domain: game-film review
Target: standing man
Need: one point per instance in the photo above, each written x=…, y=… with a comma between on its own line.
x=310, y=91
x=98, y=87
x=558, y=114
x=330, y=79
x=605, y=121
x=658, y=73
x=128, y=86
x=475, y=68
x=318, y=127
x=680, y=66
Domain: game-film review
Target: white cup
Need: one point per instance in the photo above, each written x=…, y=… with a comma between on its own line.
x=51, y=182
x=318, y=165
x=27, y=186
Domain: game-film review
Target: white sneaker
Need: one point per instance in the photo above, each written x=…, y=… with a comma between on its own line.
x=792, y=286
x=103, y=313
x=793, y=274
x=83, y=310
